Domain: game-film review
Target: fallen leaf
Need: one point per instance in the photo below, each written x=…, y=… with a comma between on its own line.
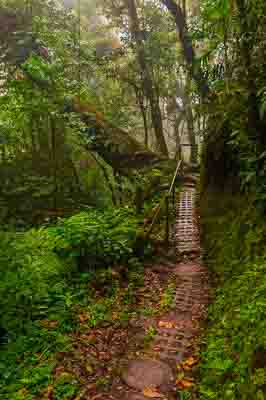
x=91, y=386
x=184, y=384
x=115, y=315
x=50, y=392
x=167, y=324
x=151, y=392
x=82, y=318
x=49, y=324
x=89, y=369
x=47, y=394
x=191, y=361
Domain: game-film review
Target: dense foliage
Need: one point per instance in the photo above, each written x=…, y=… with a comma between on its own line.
x=47, y=276
x=234, y=33
x=234, y=355
x=92, y=95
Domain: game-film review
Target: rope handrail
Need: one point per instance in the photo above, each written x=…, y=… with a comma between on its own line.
x=166, y=201
x=174, y=178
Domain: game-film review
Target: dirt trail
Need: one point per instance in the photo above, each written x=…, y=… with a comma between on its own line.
x=156, y=354
x=166, y=367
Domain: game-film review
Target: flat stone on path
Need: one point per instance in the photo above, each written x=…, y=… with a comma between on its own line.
x=143, y=373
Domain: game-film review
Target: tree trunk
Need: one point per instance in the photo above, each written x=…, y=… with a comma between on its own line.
x=54, y=156
x=190, y=121
x=147, y=79
x=106, y=176
x=255, y=129
x=178, y=121
x=189, y=53
x=192, y=137
x=140, y=99
x=184, y=8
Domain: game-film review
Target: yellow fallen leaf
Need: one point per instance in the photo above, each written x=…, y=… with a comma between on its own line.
x=82, y=318
x=89, y=369
x=115, y=316
x=184, y=383
x=191, y=361
x=151, y=392
x=167, y=324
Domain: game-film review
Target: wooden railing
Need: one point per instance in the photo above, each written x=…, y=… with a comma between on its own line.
x=165, y=201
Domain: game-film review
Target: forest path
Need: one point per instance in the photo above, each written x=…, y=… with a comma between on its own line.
x=167, y=366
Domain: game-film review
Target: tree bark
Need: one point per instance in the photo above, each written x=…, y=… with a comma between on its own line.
x=184, y=7
x=191, y=134
x=54, y=156
x=106, y=176
x=255, y=129
x=140, y=99
x=189, y=53
x=147, y=81
x=178, y=121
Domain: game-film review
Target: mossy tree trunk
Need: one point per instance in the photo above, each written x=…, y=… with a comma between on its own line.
x=148, y=86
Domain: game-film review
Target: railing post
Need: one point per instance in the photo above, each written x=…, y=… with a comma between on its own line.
x=173, y=195
x=167, y=220
x=166, y=199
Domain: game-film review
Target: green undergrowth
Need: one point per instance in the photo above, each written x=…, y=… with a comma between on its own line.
x=234, y=358
x=53, y=280
x=154, y=185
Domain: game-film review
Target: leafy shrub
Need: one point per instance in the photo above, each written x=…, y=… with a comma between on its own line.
x=41, y=289
x=236, y=256
x=97, y=237
x=38, y=265
x=32, y=281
